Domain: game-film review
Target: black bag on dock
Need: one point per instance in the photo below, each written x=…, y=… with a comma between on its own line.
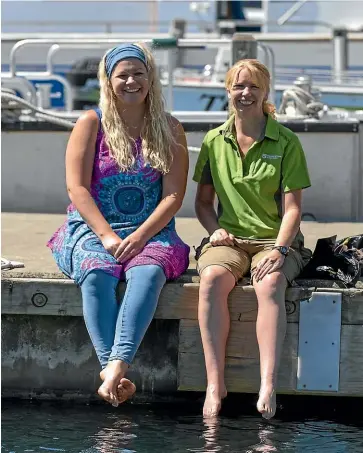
x=336, y=260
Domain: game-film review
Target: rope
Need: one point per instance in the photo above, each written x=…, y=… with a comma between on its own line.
x=9, y=97
x=9, y=101
x=304, y=101
x=8, y=265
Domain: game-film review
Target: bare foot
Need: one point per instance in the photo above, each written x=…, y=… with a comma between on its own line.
x=266, y=403
x=125, y=390
x=213, y=400
x=111, y=376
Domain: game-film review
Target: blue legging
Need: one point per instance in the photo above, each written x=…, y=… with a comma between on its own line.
x=117, y=328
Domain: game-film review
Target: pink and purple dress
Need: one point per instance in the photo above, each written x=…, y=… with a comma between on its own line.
x=126, y=200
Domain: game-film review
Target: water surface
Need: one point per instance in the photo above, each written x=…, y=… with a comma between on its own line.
x=54, y=427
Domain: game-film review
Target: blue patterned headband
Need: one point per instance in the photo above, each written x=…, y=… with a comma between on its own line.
x=123, y=52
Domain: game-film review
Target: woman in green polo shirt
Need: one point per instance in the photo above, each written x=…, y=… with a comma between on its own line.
x=257, y=169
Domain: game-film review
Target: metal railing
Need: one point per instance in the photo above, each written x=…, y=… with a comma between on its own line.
x=110, y=26
x=324, y=79
x=270, y=63
x=55, y=44
x=279, y=77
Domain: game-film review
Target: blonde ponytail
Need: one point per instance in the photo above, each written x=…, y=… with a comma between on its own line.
x=269, y=109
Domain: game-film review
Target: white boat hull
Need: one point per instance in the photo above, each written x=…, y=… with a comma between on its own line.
x=36, y=182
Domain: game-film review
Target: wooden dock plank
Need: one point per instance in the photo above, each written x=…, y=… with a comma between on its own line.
x=242, y=361
x=177, y=301
x=351, y=360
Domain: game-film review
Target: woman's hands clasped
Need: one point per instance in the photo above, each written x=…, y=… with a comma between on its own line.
x=124, y=249
x=221, y=237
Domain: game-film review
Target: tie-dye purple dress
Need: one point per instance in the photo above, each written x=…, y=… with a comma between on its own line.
x=126, y=200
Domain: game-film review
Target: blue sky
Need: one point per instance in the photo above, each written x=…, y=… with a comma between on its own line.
x=337, y=12
x=103, y=11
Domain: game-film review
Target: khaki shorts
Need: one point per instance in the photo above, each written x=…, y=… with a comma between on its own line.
x=244, y=255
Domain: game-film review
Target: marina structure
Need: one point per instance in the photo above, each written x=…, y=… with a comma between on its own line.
x=46, y=350
x=313, y=39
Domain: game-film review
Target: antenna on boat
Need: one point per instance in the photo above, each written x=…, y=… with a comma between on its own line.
x=200, y=9
x=290, y=12
x=154, y=15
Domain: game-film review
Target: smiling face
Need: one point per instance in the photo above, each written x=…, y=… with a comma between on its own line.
x=246, y=94
x=130, y=81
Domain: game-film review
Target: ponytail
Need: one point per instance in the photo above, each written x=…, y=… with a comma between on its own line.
x=269, y=109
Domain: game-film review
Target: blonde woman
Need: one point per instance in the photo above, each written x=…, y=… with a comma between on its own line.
x=126, y=172
x=257, y=169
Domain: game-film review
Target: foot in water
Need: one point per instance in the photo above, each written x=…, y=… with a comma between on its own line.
x=266, y=403
x=112, y=375
x=125, y=390
x=213, y=400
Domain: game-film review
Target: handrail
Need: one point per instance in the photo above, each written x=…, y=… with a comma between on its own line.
x=269, y=53
x=183, y=43
x=161, y=44
x=109, y=26
x=56, y=47
x=49, y=63
x=272, y=69
x=44, y=41
x=49, y=74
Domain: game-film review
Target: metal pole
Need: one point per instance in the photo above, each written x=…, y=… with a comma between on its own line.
x=53, y=49
x=243, y=46
x=340, y=53
x=290, y=12
x=265, y=9
x=170, y=100
x=270, y=63
x=272, y=72
x=154, y=13
x=170, y=45
x=177, y=30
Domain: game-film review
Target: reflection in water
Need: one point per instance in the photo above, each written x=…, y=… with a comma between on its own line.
x=110, y=439
x=210, y=435
x=213, y=443
x=155, y=429
x=266, y=443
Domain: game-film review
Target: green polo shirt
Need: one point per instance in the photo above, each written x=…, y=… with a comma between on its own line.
x=249, y=189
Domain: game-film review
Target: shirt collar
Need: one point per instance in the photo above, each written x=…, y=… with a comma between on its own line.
x=227, y=128
x=271, y=131
x=272, y=128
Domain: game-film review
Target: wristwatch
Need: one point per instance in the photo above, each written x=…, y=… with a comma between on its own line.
x=282, y=249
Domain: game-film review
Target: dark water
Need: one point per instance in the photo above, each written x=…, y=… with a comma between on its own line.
x=133, y=428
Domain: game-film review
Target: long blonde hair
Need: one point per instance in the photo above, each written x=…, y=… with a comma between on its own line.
x=157, y=132
x=260, y=75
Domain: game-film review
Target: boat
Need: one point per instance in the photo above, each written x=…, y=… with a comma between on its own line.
x=327, y=51
x=323, y=132
x=192, y=89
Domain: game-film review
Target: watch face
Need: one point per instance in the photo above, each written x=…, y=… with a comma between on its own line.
x=282, y=249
